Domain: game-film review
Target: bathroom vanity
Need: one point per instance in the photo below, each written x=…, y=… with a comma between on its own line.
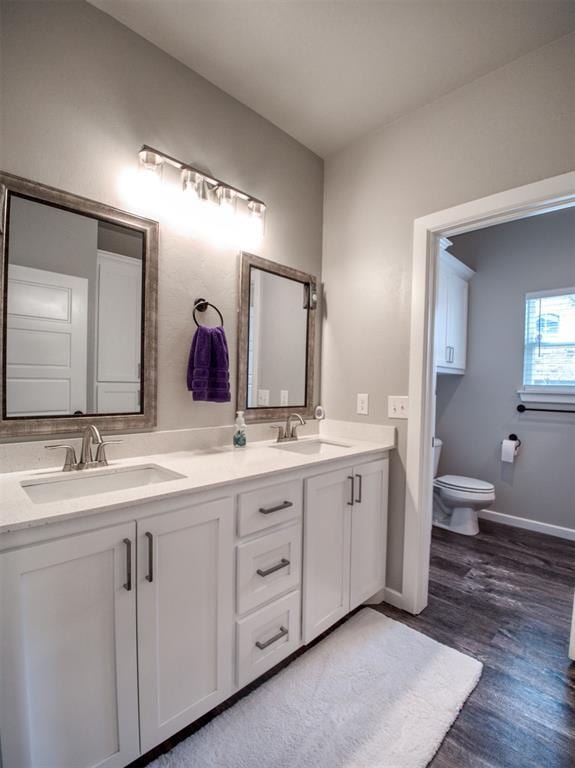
x=129, y=612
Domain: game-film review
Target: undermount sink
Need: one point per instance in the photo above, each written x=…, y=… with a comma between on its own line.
x=310, y=447
x=88, y=482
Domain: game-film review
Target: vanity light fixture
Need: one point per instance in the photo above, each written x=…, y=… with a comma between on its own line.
x=150, y=161
x=201, y=184
x=227, y=198
x=195, y=184
x=257, y=209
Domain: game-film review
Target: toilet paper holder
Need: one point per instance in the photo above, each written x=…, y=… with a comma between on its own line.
x=514, y=437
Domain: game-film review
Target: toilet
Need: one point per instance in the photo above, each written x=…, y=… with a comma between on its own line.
x=456, y=499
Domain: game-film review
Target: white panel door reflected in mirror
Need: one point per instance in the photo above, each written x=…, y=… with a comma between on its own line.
x=277, y=341
x=74, y=313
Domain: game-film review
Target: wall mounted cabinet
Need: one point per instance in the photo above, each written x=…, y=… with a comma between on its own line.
x=451, y=312
x=114, y=639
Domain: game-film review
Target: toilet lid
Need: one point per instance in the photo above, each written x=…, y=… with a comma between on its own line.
x=461, y=483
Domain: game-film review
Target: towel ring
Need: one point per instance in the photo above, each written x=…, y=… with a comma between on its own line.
x=200, y=305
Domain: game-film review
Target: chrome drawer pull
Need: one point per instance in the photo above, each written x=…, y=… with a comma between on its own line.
x=282, y=633
x=351, y=490
x=360, y=489
x=128, y=584
x=269, y=510
x=150, y=574
x=283, y=563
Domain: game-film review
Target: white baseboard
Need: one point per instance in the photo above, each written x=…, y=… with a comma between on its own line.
x=530, y=525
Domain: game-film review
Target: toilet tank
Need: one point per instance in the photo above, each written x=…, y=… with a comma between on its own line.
x=437, y=446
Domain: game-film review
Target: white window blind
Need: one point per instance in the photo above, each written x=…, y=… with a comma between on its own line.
x=549, y=360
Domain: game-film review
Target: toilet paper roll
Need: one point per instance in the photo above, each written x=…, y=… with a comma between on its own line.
x=508, y=451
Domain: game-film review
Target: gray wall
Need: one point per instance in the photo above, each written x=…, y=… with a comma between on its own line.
x=511, y=127
x=81, y=93
x=476, y=411
x=117, y=239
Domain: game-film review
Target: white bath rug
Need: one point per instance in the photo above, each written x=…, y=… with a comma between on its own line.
x=373, y=694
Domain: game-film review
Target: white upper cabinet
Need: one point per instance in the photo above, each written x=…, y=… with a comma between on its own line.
x=451, y=312
x=185, y=616
x=68, y=675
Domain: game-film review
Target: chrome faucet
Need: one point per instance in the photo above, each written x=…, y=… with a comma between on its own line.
x=91, y=436
x=289, y=431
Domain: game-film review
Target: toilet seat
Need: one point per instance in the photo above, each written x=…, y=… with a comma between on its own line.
x=464, y=484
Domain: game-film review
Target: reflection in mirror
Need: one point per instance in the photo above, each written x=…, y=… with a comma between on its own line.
x=74, y=313
x=277, y=341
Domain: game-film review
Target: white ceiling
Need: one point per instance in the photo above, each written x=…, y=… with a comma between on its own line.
x=329, y=71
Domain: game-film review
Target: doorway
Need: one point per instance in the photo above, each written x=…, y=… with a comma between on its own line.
x=511, y=205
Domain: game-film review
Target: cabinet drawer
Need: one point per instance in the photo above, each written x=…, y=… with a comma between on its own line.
x=269, y=506
x=267, y=636
x=268, y=567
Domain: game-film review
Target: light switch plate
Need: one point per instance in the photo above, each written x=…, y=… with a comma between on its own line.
x=363, y=404
x=397, y=407
x=284, y=397
x=263, y=397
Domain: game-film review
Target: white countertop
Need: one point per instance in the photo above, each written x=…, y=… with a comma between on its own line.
x=204, y=470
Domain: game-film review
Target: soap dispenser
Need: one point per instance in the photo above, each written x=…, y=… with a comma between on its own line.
x=240, y=435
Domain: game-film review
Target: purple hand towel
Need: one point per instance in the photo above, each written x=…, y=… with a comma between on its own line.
x=209, y=366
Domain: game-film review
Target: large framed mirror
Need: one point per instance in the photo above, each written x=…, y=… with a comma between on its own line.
x=78, y=313
x=276, y=340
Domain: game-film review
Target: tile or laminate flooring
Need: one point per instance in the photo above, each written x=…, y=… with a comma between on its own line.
x=505, y=597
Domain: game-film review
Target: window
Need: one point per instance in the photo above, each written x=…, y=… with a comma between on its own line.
x=549, y=360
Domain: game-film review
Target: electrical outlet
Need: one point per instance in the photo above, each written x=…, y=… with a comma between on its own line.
x=397, y=407
x=263, y=398
x=284, y=397
x=363, y=404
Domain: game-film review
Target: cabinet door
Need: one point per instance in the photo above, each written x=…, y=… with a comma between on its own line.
x=185, y=616
x=457, y=293
x=327, y=523
x=368, y=531
x=119, y=318
x=68, y=680
x=440, y=338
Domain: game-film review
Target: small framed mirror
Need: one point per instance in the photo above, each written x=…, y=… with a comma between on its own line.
x=78, y=313
x=276, y=340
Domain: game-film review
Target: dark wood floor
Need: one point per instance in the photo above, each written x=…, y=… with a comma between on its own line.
x=505, y=597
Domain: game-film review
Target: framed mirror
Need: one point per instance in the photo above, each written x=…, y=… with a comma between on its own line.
x=78, y=313
x=276, y=340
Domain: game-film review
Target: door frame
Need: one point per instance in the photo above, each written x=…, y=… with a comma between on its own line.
x=529, y=200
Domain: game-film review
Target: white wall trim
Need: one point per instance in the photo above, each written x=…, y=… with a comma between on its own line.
x=530, y=525
x=395, y=598
x=511, y=205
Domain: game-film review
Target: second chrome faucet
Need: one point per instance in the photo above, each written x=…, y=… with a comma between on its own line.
x=288, y=432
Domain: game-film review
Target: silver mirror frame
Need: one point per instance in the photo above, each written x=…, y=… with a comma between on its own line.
x=27, y=427
x=249, y=260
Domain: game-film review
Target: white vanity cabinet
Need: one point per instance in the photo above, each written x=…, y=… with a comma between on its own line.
x=185, y=630
x=68, y=672
x=451, y=312
x=121, y=627
x=345, y=539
